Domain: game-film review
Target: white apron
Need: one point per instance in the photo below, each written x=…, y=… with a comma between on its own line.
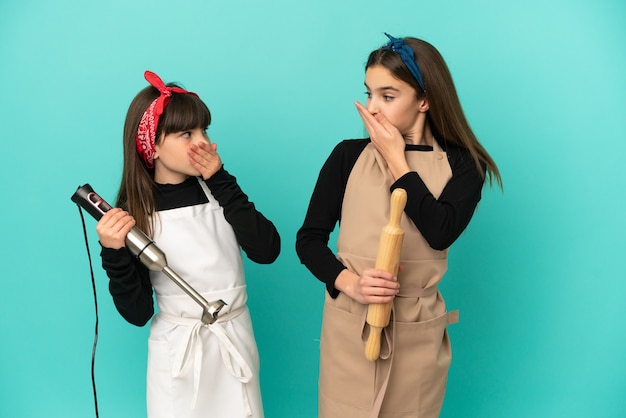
x=196, y=370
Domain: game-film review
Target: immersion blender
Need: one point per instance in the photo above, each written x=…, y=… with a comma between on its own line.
x=141, y=246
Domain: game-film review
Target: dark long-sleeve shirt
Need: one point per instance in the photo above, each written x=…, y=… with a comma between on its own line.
x=440, y=221
x=129, y=283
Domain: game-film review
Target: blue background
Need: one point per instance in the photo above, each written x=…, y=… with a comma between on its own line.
x=539, y=276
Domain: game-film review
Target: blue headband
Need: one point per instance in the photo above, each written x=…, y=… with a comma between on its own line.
x=408, y=57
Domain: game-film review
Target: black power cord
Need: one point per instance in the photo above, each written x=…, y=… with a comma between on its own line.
x=95, y=299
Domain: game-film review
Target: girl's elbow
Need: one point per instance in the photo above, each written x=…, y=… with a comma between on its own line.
x=270, y=253
x=439, y=246
x=440, y=242
x=137, y=320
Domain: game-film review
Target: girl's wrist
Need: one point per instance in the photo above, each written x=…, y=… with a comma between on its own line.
x=345, y=281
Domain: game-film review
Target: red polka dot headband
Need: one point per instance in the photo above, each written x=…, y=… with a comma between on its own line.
x=146, y=133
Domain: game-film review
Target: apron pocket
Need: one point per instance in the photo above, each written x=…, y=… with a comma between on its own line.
x=346, y=376
x=421, y=359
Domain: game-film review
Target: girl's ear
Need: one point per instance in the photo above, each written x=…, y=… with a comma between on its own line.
x=423, y=105
x=155, y=156
x=156, y=147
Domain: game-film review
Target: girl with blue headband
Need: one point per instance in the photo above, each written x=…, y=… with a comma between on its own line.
x=420, y=141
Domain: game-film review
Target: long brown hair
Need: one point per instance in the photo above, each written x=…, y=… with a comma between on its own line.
x=445, y=115
x=137, y=188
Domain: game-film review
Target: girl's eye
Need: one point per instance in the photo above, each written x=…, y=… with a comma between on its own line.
x=388, y=98
x=186, y=134
x=368, y=94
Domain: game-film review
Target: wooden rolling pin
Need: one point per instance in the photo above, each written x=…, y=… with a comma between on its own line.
x=388, y=259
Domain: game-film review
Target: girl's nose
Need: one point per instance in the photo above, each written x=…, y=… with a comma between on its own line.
x=371, y=106
x=201, y=138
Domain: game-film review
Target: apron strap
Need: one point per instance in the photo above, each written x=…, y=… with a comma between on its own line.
x=207, y=192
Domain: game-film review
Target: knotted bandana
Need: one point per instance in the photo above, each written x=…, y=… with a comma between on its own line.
x=408, y=57
x=146, y=133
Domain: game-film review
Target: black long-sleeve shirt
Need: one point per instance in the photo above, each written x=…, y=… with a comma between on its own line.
x=440, y=221
x=129, y=283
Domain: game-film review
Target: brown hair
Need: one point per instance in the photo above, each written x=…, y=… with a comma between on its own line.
x=136, y=193
x=445, y=115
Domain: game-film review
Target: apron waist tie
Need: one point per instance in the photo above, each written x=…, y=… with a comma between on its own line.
x=192, y=355
x=417, y=292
